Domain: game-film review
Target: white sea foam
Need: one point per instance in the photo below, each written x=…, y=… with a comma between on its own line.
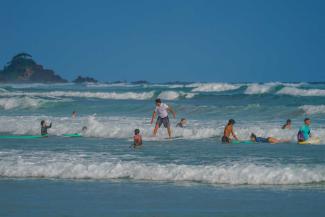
x=99, y=95
x=172, y=95
x=260, y=88
x=313, y=109
x=301, y=92
x=83, y=166
x=25, y=102
x=213, y=87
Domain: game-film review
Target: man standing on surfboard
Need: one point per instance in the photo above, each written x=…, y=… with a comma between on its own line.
x=162, y=110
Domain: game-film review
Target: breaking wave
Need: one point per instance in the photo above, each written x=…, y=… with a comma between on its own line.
x=24, y=102
x=293, y=91
x=98, y=95
x=313, y=109
x=213, y=87
x=84, y=166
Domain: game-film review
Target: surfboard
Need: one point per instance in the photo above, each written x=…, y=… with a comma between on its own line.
x=310, y=141
x=72, y=135
x=22, y=136
x=242, y=142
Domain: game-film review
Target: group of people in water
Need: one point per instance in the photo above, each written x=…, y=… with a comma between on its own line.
x=161, y=112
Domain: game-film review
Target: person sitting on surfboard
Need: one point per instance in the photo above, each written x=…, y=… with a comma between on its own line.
x=229, y=131
x=254, y=138
x=162, y=110
x=304, y=131
x=44, y=127
x=287, y=125
x=137, y=138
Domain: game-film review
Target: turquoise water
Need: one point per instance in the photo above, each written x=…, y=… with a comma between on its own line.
x=191, y=175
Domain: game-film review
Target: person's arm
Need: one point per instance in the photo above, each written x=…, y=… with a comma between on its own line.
x=153, y=117
x=233, y=134
x=170, y=109
x=49, y=126
x=140, y=140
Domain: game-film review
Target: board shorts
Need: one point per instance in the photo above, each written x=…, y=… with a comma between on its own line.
x=225, y=139
x=262, y=140
x=164, y=121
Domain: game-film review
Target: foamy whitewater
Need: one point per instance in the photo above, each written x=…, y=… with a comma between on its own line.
x=111, y=112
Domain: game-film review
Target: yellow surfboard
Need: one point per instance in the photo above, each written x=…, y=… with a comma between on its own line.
x=310, y=141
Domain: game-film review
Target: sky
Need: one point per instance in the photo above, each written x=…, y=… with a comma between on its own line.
x=169, y=40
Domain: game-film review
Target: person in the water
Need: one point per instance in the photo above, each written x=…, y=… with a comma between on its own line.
x=182, y=123
x=44, y=127
x=304, y=131
x=162, y=110
x=74, y=115
x=287, y=125
x=254, y=138
x=228, y=132
x=137, y=138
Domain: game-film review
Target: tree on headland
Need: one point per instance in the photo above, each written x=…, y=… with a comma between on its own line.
x=22, y=68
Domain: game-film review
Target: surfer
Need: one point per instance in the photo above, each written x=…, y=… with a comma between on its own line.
x=254, y=138
x=74, y=115
x=229, y=131
x=44, y=127
x=304, y=131
x=162, y=110
x=182, y=123
x=287, y=125
x=137, y=138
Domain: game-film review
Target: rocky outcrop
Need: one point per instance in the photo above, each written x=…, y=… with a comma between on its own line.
x=23, y=69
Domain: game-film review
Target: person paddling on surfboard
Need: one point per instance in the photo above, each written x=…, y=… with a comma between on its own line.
x=304, y=131
x=229, y=131
x=273, y=140
x=162, y=110
x=44, y=127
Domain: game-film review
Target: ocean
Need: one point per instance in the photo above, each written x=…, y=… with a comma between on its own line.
x=193, y=174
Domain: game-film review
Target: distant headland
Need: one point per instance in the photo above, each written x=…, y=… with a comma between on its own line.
x=23, y=69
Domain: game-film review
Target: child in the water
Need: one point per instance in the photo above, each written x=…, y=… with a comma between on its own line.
x=137, y=138
x=44, y=128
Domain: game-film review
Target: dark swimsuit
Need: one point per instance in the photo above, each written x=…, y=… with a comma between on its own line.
x=262, y=140
x=225, y=139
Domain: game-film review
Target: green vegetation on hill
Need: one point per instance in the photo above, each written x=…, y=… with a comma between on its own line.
x=23, y=69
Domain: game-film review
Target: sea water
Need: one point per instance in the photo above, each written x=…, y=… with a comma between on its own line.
x=191, y=175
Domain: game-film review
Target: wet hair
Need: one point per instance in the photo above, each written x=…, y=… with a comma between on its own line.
x=42, y=122
x=306, y=119
x=183, y=119
x=136, y=131
x=253, y=136
x=84, y=128
x=286, y=124
x=158, y=100
x=231, y=121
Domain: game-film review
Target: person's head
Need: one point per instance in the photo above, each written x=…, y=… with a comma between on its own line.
x=288, y=122
x=84, y=128
x=42, y=122
x=253, y=137
x=158, y=102
x=74, y=114
x=183, y=121
x=231, y=122
x=307, y=121
x=136, y=131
